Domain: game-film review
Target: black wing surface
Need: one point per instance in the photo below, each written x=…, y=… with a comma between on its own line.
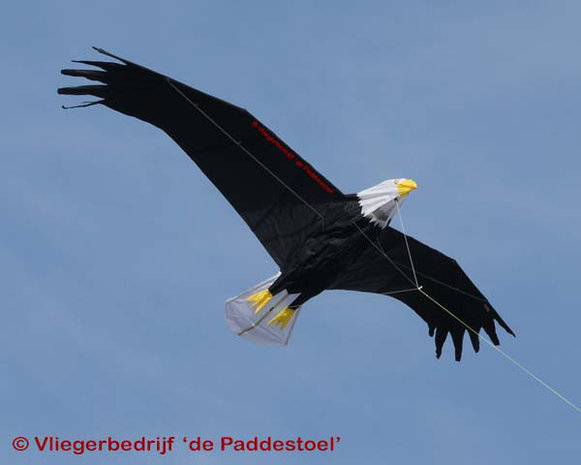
x=440, y=277
x=278, y=194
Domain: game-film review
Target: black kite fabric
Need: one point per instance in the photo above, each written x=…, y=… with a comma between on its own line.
x=318, y=236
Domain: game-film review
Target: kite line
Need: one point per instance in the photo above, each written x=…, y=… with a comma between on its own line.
x=484, y=338
x=504, y=354
x=413, y=281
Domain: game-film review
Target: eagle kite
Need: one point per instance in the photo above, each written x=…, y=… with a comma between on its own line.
x=319, y=237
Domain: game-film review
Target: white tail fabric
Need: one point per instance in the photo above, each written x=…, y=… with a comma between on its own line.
x=242, y=317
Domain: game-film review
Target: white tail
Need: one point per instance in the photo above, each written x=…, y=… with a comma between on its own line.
x=260, y=317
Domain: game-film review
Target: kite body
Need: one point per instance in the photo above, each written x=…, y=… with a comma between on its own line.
x=319, y=237
x=341, y=239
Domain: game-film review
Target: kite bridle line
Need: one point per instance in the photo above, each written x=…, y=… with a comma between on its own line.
x=411, y=289
x=298, y=196
x=382, y=252
x=414, y=282
x=407, y=246
x=415, y=272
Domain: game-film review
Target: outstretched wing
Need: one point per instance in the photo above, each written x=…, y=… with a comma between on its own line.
x=386, y=269
x=279, y=195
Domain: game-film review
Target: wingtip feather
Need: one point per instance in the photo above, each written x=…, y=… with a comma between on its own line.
x=458, y=340
x=102, y=51
x=475, y=340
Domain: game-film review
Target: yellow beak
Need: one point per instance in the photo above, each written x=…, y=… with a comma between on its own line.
x=405, y=186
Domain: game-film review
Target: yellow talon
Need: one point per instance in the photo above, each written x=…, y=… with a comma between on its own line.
x=283, y=318
x=260, y=299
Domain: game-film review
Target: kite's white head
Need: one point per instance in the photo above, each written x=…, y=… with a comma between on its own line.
x=378, y=203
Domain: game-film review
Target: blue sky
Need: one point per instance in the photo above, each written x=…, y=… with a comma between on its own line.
x=116, y=254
